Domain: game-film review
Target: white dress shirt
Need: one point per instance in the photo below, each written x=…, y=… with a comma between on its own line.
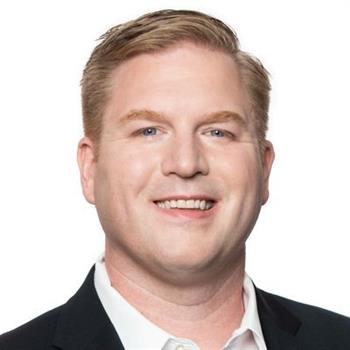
x=137, y=332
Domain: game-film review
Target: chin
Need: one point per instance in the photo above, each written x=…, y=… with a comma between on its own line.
x=189, y=264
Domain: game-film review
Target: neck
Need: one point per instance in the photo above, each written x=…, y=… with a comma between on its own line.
x=206, y=313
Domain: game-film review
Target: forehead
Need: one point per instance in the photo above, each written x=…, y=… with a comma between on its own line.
x=185, y=81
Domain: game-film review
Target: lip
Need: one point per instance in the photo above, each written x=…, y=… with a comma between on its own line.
x=188, y=213
x=186, y=197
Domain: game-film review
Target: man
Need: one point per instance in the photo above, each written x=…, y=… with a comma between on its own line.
x=176, y=162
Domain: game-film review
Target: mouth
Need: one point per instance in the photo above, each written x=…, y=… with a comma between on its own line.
x=188, y=207
x=191, y=204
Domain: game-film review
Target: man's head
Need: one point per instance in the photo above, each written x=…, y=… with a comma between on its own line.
x=179, y=129
x=156, y=32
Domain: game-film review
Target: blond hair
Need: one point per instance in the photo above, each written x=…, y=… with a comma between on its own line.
x=157, y=31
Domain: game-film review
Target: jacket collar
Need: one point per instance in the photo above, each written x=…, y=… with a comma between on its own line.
x=83, y=323
x=279, y=325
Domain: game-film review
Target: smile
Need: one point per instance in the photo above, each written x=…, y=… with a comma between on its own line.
x=186, y=204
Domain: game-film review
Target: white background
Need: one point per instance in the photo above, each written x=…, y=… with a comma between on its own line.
x=49, y=235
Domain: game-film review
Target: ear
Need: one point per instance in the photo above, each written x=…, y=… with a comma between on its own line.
x=87, y=164
x=268, y=157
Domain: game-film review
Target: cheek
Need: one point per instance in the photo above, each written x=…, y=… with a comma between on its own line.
x=120, y=178
x=124, y=172
x=241, y=176
x=242, y=196
x=239, y=167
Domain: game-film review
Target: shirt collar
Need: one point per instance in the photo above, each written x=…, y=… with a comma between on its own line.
x=250, y=320
x=144, y=334
x=134, y=330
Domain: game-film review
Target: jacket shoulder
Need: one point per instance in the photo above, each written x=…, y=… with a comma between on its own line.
x=314, y=314
x=35, y=334
x=317, y=326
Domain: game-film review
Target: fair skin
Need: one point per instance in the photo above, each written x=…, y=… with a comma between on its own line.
x=178, y=126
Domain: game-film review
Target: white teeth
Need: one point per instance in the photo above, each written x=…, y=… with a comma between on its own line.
x=190, y=203
x=186, y=204
x=181, y=204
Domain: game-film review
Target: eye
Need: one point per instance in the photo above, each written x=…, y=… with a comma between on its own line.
x=150, y=131
x=225, y=135
x=217, y=132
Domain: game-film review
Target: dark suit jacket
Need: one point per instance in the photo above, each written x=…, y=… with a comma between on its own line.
x=82, y=324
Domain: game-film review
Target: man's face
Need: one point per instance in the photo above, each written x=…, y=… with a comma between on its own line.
x=177, y=127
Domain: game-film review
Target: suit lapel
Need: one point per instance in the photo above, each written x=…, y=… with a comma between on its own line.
x=280, y=327
x=83, y=323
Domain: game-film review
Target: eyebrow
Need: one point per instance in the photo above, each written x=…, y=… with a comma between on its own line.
x=215, y=117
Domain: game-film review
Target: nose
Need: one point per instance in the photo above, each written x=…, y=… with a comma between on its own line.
x=185, y=158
